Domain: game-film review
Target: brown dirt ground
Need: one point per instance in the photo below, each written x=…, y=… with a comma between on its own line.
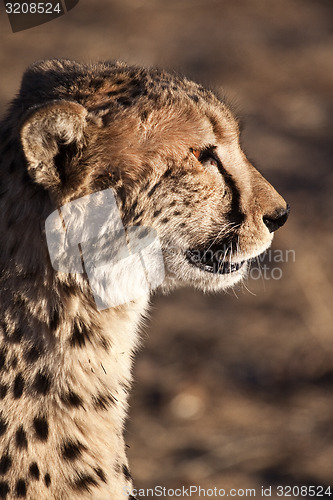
x=232, y=391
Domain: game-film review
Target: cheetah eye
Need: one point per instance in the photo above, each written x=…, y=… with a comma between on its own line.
x=206, y=157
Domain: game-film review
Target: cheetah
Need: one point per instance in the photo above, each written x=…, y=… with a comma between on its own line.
x=169, y=150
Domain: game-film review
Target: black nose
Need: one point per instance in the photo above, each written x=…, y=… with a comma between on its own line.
x=273, y=222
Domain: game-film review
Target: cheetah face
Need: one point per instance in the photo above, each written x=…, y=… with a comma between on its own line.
x=171, y=152
x=212, y=209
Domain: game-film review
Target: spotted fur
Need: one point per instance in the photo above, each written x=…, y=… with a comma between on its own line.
x=65, y=367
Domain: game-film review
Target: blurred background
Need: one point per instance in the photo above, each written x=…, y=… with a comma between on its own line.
x=236, y=390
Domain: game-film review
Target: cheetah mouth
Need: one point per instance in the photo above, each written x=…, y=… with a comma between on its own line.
x=213, y=261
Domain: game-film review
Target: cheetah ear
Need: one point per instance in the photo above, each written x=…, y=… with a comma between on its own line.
x=50, y=136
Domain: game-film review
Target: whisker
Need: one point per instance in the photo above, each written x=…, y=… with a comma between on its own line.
x=227, y=229
x=261, y=275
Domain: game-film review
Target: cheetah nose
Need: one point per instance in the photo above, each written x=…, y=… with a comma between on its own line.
x=273, y=222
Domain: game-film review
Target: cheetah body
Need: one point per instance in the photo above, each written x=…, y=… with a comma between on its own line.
x=170, y=151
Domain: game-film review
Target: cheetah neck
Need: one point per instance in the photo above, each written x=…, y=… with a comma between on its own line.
x=65, y=368
x=65, y=383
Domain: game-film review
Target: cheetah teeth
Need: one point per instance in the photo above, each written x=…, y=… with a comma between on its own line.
x=212, y=263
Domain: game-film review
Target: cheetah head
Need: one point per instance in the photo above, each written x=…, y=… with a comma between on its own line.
x=168, y=148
